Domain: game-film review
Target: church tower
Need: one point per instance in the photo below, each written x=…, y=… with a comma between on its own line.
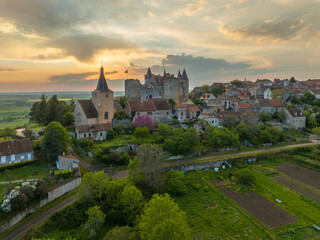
x=102, y=99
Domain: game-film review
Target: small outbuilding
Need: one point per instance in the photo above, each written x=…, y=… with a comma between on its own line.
x=67, y=162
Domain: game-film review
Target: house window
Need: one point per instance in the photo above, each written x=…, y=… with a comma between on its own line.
x=101, y=134
x=159, y=93
x=22, y=157
x=106, y=115
x=167, y=113
x=29, y=156
x=3, y=159
x=89, y=134
x=13, y=158
x=85, y=135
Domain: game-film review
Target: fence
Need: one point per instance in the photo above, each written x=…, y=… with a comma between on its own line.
x=52, y=195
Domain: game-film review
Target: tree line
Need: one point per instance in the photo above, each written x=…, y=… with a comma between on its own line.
x=48, y=110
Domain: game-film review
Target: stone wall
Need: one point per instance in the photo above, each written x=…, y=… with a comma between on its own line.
x=52, y=195
x=132, y=89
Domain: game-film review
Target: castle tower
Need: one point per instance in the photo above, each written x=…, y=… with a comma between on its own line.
x=102, y=99
x=184, y=80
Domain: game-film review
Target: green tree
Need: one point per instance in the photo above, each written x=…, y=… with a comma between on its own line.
x=164, y=131
x=295, y=100
x=123, y=101
x=95, y=220
x=265, y=117
x=55, y=141
x=292, y=80
x=316, y=131
x=67, y=119
x=162, y=220
x=141, y=133
x=8, y=133
x=308, y=98
x=72, y=104
x=245, y=176
x=311, y=122
x=121, y=233
x=131, y=201
x=93, y=185
x=121, y=115
x=205, y=88
x=52, y=109
x=230, y=122
x=176, y=182
x=275, y=93
x=222, y=137
x=182, y=141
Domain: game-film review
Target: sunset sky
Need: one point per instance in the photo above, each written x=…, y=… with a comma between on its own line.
x=56, y=45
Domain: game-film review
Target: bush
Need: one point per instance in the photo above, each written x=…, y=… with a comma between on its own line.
x=110, y=134
x=175, y=182
x=245, y=176
x=64, y=174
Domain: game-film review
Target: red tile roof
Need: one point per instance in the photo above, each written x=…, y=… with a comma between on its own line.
x=179, y=105
x=94, y=127
x=149, y=105
x=88, y=108
x=245, y=106
x=276, y=103
x=15, y=147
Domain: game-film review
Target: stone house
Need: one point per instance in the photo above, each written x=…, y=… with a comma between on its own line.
x=268, y=105
x=223, y=116
x=180, y=111
x=95, y=132
x=212, y=119
x=229, y=102
x=16, y=151
x=264, y=82
x=207, y=97
x=296, y=118
x=244, y=107
x=67, y=162
x=277, y=105
x=159, y=109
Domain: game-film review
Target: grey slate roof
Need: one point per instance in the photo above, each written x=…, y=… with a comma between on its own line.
x=15, y=147
x=102, y=85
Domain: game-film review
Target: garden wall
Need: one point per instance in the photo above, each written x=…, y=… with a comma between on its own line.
x=52, y=195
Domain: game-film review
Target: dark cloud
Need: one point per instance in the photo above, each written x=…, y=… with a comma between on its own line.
x=75, y=78
x=84, y=46
x=201, y=69
x=273, y=30
x=9, y=70
x=50, y=17
x=133, y=65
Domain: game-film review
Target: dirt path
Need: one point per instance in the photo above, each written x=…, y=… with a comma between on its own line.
x=39, y=219
x=241, y=153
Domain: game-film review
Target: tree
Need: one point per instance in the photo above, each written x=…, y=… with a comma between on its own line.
x=162, y=219
x=151, y=157
x=292, y=80
x=93, y=185
x=222, y=137
x=295, y=100
x=176, y=182
x=182, y=141
x=316, y=131
x=164, y=131
x=121, y=233
x=131, y=201
x=52, y=109
x=8, y=133
x=141, y=133
x=230, y=122
x=245, y=176
x=95, y=220
x=275, y=93
x=72, y=104
x=144, y=121
x=38, y=111
x=265, y=117
x=280, y=116
x=55, y=141
x=205, y=88
x=67, y=119
x=308, y=98
x=121, y=115
x=311, y=122
x=123, y=101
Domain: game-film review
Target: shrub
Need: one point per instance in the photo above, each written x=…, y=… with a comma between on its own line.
x=64, y=174
x=110, y=134
x=245, y=176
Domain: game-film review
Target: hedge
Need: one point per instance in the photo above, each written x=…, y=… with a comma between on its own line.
x=65, y=174
x=17, y=165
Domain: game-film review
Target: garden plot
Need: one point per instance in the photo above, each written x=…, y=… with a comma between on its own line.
x=300, y=173
x=265, y=211
x=299, y=187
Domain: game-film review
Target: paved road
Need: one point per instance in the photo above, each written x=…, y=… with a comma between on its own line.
x=242, y=153
x=39, y=219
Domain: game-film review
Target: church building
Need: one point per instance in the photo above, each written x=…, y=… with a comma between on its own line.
x=93, y=118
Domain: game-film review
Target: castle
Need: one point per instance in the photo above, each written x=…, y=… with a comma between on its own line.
x=155, y=86
x=94, y=117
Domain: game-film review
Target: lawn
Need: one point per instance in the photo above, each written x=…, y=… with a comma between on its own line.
x=14, y=124
x=121, y=140
x=39, y=170
x=212, y=215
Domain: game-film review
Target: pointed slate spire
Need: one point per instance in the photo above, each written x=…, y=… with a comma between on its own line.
x=102, y=84
x=164, y=72
x=148, y=76
x=184, y=75
x=179, y=74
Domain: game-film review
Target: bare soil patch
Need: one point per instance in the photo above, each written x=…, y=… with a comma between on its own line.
x=300, y=173
x=217, y=182
x=265, y=211
x=298, y=187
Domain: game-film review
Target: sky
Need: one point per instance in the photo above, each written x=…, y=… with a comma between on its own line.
x=50, y=45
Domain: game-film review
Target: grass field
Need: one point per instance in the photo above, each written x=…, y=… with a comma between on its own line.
x=14, y=124
x=212, y=215
x=120, y=140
